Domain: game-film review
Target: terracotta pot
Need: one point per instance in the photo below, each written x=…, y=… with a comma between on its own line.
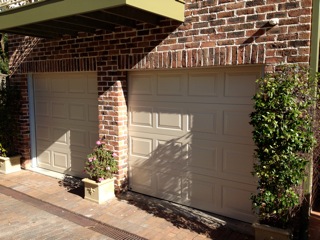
x=266, y=232
x=98, y=192
x=10, y=164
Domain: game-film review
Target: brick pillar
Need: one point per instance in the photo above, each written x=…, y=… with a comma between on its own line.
x=113, y=120
x=23, y=145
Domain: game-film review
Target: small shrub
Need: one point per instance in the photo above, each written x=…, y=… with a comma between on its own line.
x=9, y=117
x=100, y=164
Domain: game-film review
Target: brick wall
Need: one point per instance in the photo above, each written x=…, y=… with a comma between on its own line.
x=215, y=33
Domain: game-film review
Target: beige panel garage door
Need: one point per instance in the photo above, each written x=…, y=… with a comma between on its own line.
x=66, y=117
x=189, y=137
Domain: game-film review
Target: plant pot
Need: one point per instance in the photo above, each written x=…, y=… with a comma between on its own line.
x=266, y=232
x=10, y=164
x=98, y=192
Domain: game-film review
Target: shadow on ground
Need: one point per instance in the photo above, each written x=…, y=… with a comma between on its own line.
x=213, y=226
x=72, y=185
x=189, y=218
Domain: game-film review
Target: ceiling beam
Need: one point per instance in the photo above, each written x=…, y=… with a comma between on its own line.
x=135, y=14
x=25, y=32
x=52, y=29
x=60, y=23
x=86, y=22
x=108, y=17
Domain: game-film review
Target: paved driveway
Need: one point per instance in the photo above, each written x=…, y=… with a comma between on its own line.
x=35, y=206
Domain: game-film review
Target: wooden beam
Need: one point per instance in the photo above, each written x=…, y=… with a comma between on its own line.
x=21, y=31
x=108, y=17
x=85, y=22
x=51, y=29
x=135, y=14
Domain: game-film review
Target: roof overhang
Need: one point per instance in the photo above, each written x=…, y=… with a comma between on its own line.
x=55, y=18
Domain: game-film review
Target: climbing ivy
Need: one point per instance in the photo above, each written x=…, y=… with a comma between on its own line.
x=4, y=55
x=283, y=135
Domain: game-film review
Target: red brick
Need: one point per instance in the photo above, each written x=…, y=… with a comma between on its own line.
x=296, y=59
x=233, y=6
x=299, y=12
x=245, y=11
x=264, y=9
x=274, y=60
x=225, y=14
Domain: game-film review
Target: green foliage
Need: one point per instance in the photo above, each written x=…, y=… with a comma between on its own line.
x=4, y=55
x=3, y=151
x=9, y=114
x=283, y=135
x=100, y=164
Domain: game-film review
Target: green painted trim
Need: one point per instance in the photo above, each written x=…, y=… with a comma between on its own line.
x=48, y=10
x=314, y=65
x=167, y=8
x=51, y=9
x=315, y=37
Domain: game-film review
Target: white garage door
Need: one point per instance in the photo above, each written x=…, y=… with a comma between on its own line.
x=190, y=140
x=66, y=118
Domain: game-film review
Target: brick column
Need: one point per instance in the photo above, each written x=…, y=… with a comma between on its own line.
x=113, y=120
x=23, y=146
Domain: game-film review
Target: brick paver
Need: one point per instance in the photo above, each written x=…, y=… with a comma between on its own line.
x=21, y=221
x=144, y=217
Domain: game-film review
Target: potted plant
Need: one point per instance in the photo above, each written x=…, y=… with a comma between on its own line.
x=100, y=166
x=283, y=135
x=9, y=127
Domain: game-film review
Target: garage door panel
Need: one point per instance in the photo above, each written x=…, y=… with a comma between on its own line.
x=191, y=99
x=203, y=158
x=42, y=88
x=170, y=152
x=237, y=163
x=141, y=116
x=59, y=86
x=77, y=84
x=44, y=157
x=231, y=127
x=77, y=112
x=43, y=132
x=141, y=146
x=92, y=86
x=170, y=185
x=69, y=129
x=202, y=193
x=170, y=85
x=205, y=85
x=221, y=160
x=141, y=180
x=76, y=164
x=79, y=138
x=205, y=121
x=60, y=136
x=44, y=108
x=199, y=150
x=158, y=153
x=142, y=84
x=93, y=113
x=93, y=137
x=60, y=159
x=169, y=118
x=235, y=200
x=59, y=110
x=240, y=85
x=160, y=131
